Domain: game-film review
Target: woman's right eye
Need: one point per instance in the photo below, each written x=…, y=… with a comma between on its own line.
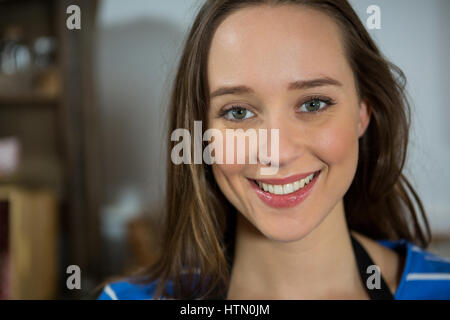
x=237, y=114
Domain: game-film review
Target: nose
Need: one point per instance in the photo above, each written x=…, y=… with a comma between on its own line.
x=290, y=144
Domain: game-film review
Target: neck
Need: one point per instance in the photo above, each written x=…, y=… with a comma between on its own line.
x=319, y=266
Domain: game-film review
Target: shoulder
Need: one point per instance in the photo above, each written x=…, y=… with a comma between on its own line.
x=388, y=260
x=129, y=289
x=411, y=272
x=425, y=275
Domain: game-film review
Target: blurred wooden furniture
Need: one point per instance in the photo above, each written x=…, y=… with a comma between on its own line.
x=54, y=117
x=32, y=244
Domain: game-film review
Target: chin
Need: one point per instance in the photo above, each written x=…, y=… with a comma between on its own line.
x=285, y=229
x=287, y=236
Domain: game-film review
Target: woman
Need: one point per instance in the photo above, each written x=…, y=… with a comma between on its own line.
x=338, y=219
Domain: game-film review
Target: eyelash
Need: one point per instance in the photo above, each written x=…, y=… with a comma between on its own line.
x=224, y=112
x=329, y=102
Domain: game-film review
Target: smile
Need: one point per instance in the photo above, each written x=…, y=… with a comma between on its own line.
x=285, y=188
x=286, y=192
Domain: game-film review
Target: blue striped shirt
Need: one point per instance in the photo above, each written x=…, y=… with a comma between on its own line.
x=426, y=276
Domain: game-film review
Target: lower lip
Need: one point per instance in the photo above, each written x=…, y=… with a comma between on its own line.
x=285, y=200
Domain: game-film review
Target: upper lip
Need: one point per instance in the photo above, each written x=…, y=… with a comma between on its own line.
x=286, y=180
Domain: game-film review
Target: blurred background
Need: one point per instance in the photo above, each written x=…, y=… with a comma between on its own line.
x=82, y=119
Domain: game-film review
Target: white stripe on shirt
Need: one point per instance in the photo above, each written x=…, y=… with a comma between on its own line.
x=428, y=276
x=110, y=292
x=436, y=258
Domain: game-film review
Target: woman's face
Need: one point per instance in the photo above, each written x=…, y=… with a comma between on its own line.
x=269, y=56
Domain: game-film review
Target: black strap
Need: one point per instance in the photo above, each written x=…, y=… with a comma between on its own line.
x=364, y=261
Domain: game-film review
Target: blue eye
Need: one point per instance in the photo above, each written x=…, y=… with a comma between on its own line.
x=315, y=105
x=238, y=114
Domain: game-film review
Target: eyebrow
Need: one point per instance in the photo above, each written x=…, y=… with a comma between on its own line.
x=296, y=85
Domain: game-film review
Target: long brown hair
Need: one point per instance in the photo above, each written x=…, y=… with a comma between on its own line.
x=199, y=222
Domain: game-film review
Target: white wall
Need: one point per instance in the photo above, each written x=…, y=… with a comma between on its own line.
x=138, y=46
x=415, y=36
x=139, y=43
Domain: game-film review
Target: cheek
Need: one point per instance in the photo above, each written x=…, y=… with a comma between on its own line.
x=227, y=171
x=337, y=147
x=233, y=154
x=235, y=147
x=336, y=144
x=230, y=181
x=225, y=153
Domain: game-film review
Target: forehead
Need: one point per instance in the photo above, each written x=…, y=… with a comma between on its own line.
x=270, y=46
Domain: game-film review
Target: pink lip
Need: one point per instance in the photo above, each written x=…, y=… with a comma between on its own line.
x=286, y=180
x=288, y=200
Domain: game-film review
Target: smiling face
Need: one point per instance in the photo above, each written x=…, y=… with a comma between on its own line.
x=285, y=68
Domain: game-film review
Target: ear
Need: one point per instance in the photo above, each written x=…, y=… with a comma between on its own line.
x=364, y=117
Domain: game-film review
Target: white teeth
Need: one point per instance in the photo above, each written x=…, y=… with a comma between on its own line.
x=302, y=183
x=278, y=189
x=286, y=188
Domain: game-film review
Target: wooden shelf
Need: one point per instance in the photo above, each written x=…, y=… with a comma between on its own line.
x=54, y=115
x=33, y=249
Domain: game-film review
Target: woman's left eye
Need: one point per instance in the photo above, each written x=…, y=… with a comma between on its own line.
x=315, y=105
